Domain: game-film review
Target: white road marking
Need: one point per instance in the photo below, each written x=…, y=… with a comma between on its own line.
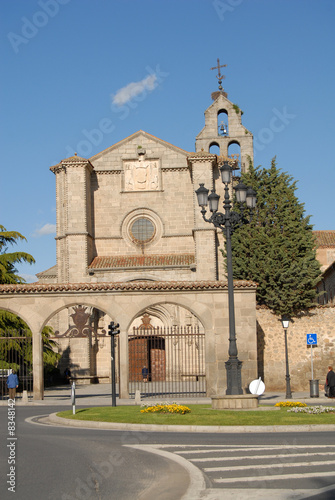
x=273, y=478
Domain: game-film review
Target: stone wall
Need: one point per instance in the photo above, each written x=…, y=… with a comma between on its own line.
x=271, y=348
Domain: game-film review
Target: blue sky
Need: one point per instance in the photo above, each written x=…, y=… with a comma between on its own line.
x=80, y=75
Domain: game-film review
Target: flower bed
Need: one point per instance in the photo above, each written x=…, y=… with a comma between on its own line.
x=313, y=410
x=290, y=404
x=165, y=408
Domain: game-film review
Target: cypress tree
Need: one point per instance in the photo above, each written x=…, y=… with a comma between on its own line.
x=277, y=249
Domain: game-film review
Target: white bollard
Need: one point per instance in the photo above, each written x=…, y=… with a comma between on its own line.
x=137, y=397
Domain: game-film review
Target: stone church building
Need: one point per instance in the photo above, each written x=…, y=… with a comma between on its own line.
x=133, y=248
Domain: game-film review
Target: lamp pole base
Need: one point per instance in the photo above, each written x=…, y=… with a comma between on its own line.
x=234, y=383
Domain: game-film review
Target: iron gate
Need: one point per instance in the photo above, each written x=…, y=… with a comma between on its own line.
x=16, y=354
x=167, y=362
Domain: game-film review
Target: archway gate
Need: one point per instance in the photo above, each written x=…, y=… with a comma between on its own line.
x=167, y=362
x=16, y=354
x=36, y=304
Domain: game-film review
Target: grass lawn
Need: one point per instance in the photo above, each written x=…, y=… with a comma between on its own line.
x=200, y=415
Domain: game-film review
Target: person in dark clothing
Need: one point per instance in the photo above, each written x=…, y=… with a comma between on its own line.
x=12, y=384
x=145, y=372
x=330, y=381
x=67, y=374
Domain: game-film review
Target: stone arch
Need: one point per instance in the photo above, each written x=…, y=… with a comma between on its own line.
x=144, y=277
x=234, y=151
x=214, y=148
x=169, y=315
x=81, y=334
x=204, y=318
x=167, y=340
x=21, y=314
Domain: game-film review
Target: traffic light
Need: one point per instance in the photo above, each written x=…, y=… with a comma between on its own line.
x=113, y=328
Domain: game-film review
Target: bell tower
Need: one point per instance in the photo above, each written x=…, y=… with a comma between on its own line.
x=223, y=128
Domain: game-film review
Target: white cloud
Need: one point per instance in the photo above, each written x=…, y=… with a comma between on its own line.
x=30, y=278
x=134, y=89
x=46, y=229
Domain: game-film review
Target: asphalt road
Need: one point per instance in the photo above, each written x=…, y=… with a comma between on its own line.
x=69, y=463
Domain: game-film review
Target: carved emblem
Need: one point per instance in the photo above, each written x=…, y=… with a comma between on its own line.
x=81, y=327
x=141, y=175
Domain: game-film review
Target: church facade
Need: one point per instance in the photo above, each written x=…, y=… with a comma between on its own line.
x=133, y=248
x=132, y=245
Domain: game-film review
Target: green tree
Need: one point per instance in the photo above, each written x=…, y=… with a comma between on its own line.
x=8, y=261
x=277, y=249
x=10, y=324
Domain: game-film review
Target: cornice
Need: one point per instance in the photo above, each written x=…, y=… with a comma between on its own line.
x=73, y=161
x=137, y=286
x=105, y=172
x=201, y=156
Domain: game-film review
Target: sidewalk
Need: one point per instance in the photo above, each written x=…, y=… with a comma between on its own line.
x=100, y=395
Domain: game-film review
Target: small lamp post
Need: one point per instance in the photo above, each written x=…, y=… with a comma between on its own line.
x=285, y=322
x=228, y=221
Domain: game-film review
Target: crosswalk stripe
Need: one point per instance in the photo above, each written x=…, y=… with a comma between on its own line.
x=243, y=446
x=260, y=457
x=273, y=478
x=231, y=450
x=268, y=466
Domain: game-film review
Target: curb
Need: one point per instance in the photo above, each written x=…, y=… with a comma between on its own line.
x=85, y=424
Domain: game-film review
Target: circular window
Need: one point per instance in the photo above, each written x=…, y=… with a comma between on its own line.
x=142, y=230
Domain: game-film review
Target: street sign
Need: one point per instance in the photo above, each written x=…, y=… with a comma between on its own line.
x=257, y=387
x=311, y=338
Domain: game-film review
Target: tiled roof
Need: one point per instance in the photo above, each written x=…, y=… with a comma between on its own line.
x=130, y=286
x=125, y=261
x=51, y=272
x=325, y=239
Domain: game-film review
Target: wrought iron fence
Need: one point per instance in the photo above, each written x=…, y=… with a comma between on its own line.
x=16, y=354
x=167, y=362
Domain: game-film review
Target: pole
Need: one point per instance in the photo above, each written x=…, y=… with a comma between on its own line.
x=312, y=361
x=233, y=365
x=113, y=371
x=288, y=379
x=73, y=397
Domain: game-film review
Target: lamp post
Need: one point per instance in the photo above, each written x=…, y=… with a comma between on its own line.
x=285, y=322
x=228, y=221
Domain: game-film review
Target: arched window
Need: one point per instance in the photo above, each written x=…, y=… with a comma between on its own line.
x=223, y=123
x=234, y=151
x=214, y=148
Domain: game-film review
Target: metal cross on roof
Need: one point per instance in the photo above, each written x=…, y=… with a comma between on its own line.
x=219, y=76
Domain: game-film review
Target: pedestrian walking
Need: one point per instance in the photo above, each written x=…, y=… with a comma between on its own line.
x=12, y=384
x=330, y=382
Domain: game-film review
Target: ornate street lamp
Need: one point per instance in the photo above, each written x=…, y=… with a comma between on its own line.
x=228, y=221
x=285, y=322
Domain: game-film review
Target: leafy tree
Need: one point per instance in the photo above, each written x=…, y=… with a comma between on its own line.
x=277, y=249
x=9, y=260
x=11, y=327
x=10, y=324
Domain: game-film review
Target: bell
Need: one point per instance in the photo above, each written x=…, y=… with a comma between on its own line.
x=223, y=129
